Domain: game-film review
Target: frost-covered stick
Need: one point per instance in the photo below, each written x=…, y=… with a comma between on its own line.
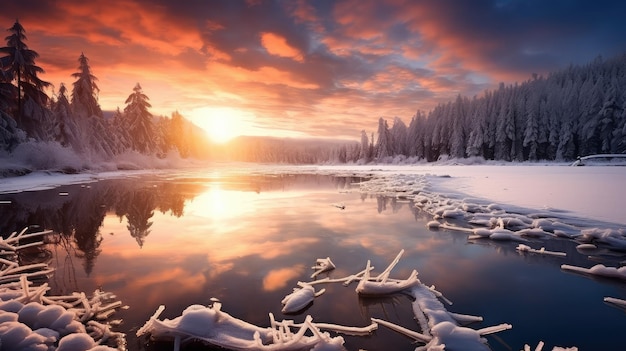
x=465, y=318
x=5, y=246
x=14, y=277
x=15, y=233
x=337, y=328
x=599, y=270
x=494, y=329
x=105, y=312
x=410, y=333
x=346, y=281
x=385, y=274
x=538, y=348
x=295, y=338
x=8, y=268
x=20, y=247
x=8, y=262
x=86, y=310
x=439, y=294
x=103, y=332
x=150, y=321
x=26, y=236
x=28, y=267
x=31, y=294
x=542, y=251
x=322, y=265
x=615, y=301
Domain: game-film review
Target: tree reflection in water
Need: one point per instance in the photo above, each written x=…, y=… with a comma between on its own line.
x=76, y=218
x=76, y=212
x=138, y=211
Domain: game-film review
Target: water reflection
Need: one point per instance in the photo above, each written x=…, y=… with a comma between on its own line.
x=77, y=213
x=247, y=240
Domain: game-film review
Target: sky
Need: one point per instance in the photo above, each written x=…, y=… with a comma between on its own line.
x=322, y=69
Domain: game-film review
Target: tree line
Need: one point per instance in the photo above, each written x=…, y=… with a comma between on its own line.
x=578, y=111
x=74, y=118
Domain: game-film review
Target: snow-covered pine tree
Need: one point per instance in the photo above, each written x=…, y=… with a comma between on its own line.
x=398, y=135
x=415, y=135
x=67, y=132
x=364, y=148
x=19, y=66
x=97, y=137
x=383, y=145
x=590, y=97
x=179, y=134
x=475, y=139
x=138, y=121
x=85, y=90
x=531, y=129
x=458, y=135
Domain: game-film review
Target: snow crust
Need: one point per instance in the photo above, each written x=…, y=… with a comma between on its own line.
x=591, y=193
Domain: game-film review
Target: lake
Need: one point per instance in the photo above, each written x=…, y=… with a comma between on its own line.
x=248, y=239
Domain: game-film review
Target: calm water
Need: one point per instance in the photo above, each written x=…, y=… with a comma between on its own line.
x=247, y=240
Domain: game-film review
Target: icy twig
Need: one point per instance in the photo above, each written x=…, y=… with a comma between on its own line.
x=385, y=274
x=333, y=327
x=322, y=265
x=542, y=251
x=346, y=281
x=439, y=294
x=410, y=333
x=494, y=329
x=465, y=318
x=599, y=270
x=615, y=301
x=538, y=348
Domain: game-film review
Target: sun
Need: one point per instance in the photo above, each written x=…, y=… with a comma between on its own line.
x=220, y=123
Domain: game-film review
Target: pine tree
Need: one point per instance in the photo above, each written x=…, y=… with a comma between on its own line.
x=364, y=148
x=97, y=136
x=138, y=121
x=415, y=135
x=67, y=132
x=19, y=66
x=384, y=144
x=85, y=91
x=399, y=135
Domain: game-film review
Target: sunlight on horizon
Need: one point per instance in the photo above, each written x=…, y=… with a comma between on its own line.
x=223, y=123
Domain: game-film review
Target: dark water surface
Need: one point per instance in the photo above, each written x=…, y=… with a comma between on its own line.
x=247, y=240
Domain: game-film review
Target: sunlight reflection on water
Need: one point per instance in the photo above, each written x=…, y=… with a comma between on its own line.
x=247, y=240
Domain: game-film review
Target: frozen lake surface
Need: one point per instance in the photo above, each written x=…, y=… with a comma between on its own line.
x=247, y=238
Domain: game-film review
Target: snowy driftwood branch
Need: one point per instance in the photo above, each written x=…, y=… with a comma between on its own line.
x=210, y=324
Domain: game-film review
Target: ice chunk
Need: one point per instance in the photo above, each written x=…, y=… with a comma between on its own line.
x=300, y=298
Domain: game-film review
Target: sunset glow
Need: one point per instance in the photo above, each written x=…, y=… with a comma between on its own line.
x=309, y=68
x=221, y=124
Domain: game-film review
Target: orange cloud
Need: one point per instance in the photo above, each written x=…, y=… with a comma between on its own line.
x=277, y=45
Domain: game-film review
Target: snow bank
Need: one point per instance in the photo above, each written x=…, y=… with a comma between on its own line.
x=592, y=193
